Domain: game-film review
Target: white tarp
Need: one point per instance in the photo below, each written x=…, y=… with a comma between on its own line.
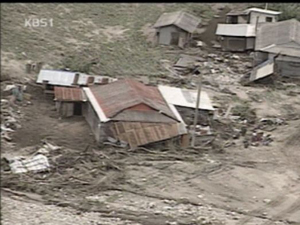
x=185, y=97
x=37, y=163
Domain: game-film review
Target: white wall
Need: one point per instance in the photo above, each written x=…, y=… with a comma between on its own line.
x=261, y=17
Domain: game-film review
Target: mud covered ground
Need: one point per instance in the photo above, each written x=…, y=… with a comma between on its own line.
x=227, y=184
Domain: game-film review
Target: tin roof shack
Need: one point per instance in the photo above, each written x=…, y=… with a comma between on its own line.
x=281, y=39
x=51, y=78
x=69, y=101
x=176, y=28
x=238, y=34
x=131, y=112
x=185, y=102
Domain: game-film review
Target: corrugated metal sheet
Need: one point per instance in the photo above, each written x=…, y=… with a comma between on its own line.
x=138, y=134
x=242, y=30
x=185, y=97
x=123, y=94
x=279, y=34
x=66, y=78
x=141, y=116
x=69, y=94
x=263, y=70
x=181, y=19
x=56, y=77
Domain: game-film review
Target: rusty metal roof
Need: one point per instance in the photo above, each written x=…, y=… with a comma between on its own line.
x=69, y=94
x=138, y=134
x=181, y=19
x=115, y=97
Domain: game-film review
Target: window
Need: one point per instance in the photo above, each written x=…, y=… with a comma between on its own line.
x=269, y=19
x=234, y=20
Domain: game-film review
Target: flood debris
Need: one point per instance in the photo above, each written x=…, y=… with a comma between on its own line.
x=37, y=163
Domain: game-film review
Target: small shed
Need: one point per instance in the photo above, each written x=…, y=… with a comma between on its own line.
x=69, y=101
x=282, y=39
x=176, y=28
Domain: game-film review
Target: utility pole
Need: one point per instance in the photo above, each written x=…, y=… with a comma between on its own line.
x=197, y=108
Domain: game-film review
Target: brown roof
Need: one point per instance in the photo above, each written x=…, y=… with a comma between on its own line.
x=124, y=94
x=181, y=19
x=138, y=134
x=69, y=94
x=278, y=36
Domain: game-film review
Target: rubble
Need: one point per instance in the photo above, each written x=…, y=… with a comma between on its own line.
x=37, y=163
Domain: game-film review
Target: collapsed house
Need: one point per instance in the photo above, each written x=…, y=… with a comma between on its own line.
x=278, y=44
x=51, y=78
x=176, y=28
x=131, y=112
x=239, y=31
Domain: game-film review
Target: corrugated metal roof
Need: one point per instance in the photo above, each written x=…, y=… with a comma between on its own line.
x=69, y=94
x=185, y=97
x=123, y=94
x=66, y=78
x=278, y=36
x=138, y=134
x=265, y=11
x=283, y=49
x=243, y=30
x=247, y=11
x=263, y=70
x=56, y=77
x=141, y=116
x=181, y=19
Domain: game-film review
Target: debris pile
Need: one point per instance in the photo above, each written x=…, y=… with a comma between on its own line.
x=10, y=116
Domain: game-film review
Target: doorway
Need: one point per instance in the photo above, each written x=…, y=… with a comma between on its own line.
x=77, y=109
x=174, y=38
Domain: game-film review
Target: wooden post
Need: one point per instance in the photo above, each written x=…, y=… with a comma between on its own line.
x=28, y=68
x=196, y=110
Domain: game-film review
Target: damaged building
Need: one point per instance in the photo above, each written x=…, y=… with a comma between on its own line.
x=51, y=78
x=176, y=28
x=185, y=102
x=239, y=31
x=279, y=42
x=131, y=112
x=69, y=101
